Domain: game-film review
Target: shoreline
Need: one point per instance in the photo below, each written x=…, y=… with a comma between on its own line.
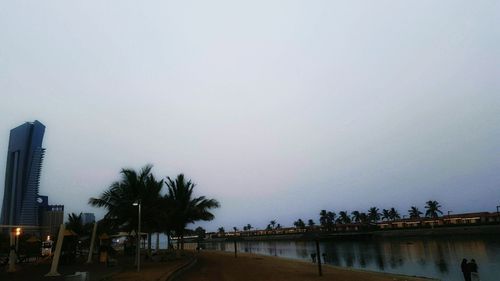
x=225, y=266
x=368, y=235
x=336, y=267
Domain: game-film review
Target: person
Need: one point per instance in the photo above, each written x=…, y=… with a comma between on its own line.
x=465, y=270
x=472, y=265
x=313, y=257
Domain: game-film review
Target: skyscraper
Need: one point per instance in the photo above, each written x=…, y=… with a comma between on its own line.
x=22, y=176
x=88, y=218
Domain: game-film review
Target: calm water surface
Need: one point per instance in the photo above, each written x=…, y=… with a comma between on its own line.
x=431, y=257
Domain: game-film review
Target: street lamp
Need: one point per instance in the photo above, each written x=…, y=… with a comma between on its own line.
x=18, y=232
x=138, y=242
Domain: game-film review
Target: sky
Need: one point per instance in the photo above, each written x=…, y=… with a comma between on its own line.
x=278, y=109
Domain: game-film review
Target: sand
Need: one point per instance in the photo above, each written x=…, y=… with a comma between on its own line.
x=222, y=266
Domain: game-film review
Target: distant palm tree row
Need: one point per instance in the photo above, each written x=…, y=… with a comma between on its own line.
x=161, y=212
x=328, y=219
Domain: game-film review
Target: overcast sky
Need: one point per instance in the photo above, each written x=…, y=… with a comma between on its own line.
x=278, y=109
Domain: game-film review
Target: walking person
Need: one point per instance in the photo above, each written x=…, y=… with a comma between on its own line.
x=465, y=270
x=472, y=265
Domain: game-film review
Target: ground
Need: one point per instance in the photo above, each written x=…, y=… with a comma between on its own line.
x=221, y=266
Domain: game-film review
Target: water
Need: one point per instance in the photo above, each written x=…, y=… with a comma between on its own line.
x=431, y=257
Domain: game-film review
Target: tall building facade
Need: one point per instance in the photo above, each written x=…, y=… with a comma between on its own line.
x=88, y=218
x=53, y=217
x=22, y=176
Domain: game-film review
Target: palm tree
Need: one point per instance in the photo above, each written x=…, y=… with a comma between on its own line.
x=330, y=219
x=299, y=224
x=414, y=212
x=363, y=218
x=432, y=209
x=386, y=215
x=221, y=230
x=75, y=223
x=249, y=227
x=119, y=197
x=359, y=217
x=272, y=223
x=355, y=216
x=185, y=208
x=393, y=214
x=343, y=217
x=322, y=218
x=326, y=219
x=310, y=223
x=373, y=214
x=200, y=232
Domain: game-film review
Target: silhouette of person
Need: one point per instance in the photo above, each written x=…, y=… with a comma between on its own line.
x=465, y=270
x=313, y=257
x=472, y=265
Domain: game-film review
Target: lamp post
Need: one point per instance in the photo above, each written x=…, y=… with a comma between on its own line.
x=18, y=232
x=138, y=242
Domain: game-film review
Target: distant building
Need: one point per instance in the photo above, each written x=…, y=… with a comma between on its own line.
x=88, y=218
x=53, y=217
x=43, y=203
x=22, y=176
x=457, y=219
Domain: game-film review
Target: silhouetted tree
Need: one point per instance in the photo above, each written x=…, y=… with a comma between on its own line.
x=363, y=218
x=343, y=218
x=185, y=208
x=200, y=232
x=310, y=223
x=326, y=219
x=120, y=196
x=355, y=216
x=414, y=212
x=432, y=209
x=272, y=223
x=393, y=214
x=386, y=215
x=323, y=219
x=299, y=224
x=75, y=223
x=373, y=214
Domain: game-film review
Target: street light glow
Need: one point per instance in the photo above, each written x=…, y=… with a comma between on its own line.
x=138, y=242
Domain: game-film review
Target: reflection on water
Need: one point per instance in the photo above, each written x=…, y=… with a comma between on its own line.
x=437, y=257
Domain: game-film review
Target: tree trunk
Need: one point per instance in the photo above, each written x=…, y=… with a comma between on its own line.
x=149, y=245
x=157, y=242
x=182, y=242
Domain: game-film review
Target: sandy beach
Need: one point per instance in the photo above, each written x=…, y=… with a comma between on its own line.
x=222, y=266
